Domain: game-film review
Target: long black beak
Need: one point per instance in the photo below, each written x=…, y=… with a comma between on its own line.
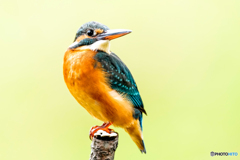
x=112, y=34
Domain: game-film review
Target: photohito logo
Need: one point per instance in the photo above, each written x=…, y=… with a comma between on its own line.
x=223, y=153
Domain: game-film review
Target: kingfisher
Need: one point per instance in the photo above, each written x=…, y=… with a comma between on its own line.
x=101, y=83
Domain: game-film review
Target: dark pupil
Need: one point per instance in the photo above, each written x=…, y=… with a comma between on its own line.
x=90, y=32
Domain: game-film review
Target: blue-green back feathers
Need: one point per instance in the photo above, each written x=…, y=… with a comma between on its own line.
x=121, y=80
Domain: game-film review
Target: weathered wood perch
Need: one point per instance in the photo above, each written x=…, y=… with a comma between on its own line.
x=104, y=145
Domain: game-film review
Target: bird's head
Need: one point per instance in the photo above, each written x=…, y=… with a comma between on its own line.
x=96, y=36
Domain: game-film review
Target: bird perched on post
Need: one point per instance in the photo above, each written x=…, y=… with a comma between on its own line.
x=102, y=83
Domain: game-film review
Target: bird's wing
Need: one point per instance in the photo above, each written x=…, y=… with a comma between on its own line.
x=120, y=78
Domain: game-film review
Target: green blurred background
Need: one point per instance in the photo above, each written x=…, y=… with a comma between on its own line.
x=184, y=55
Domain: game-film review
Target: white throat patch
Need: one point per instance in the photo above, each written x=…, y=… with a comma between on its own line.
x=103, y=45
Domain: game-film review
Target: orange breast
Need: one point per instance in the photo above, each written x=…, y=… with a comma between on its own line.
x=87, y=82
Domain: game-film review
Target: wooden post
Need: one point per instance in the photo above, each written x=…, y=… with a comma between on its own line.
x=104, y=145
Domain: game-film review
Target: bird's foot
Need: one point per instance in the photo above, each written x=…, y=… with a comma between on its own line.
x=103, y=127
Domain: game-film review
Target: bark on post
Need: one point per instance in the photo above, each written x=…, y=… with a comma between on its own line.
x=104, y=145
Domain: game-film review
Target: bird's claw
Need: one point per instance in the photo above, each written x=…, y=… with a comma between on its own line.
x=103, y=127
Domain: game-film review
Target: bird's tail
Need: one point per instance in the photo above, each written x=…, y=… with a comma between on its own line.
x=135, y=132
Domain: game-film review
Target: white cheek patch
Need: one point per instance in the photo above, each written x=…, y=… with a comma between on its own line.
x=103, y=45
x=73, y=44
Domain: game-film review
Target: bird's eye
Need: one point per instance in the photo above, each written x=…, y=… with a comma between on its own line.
x=91, y=33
